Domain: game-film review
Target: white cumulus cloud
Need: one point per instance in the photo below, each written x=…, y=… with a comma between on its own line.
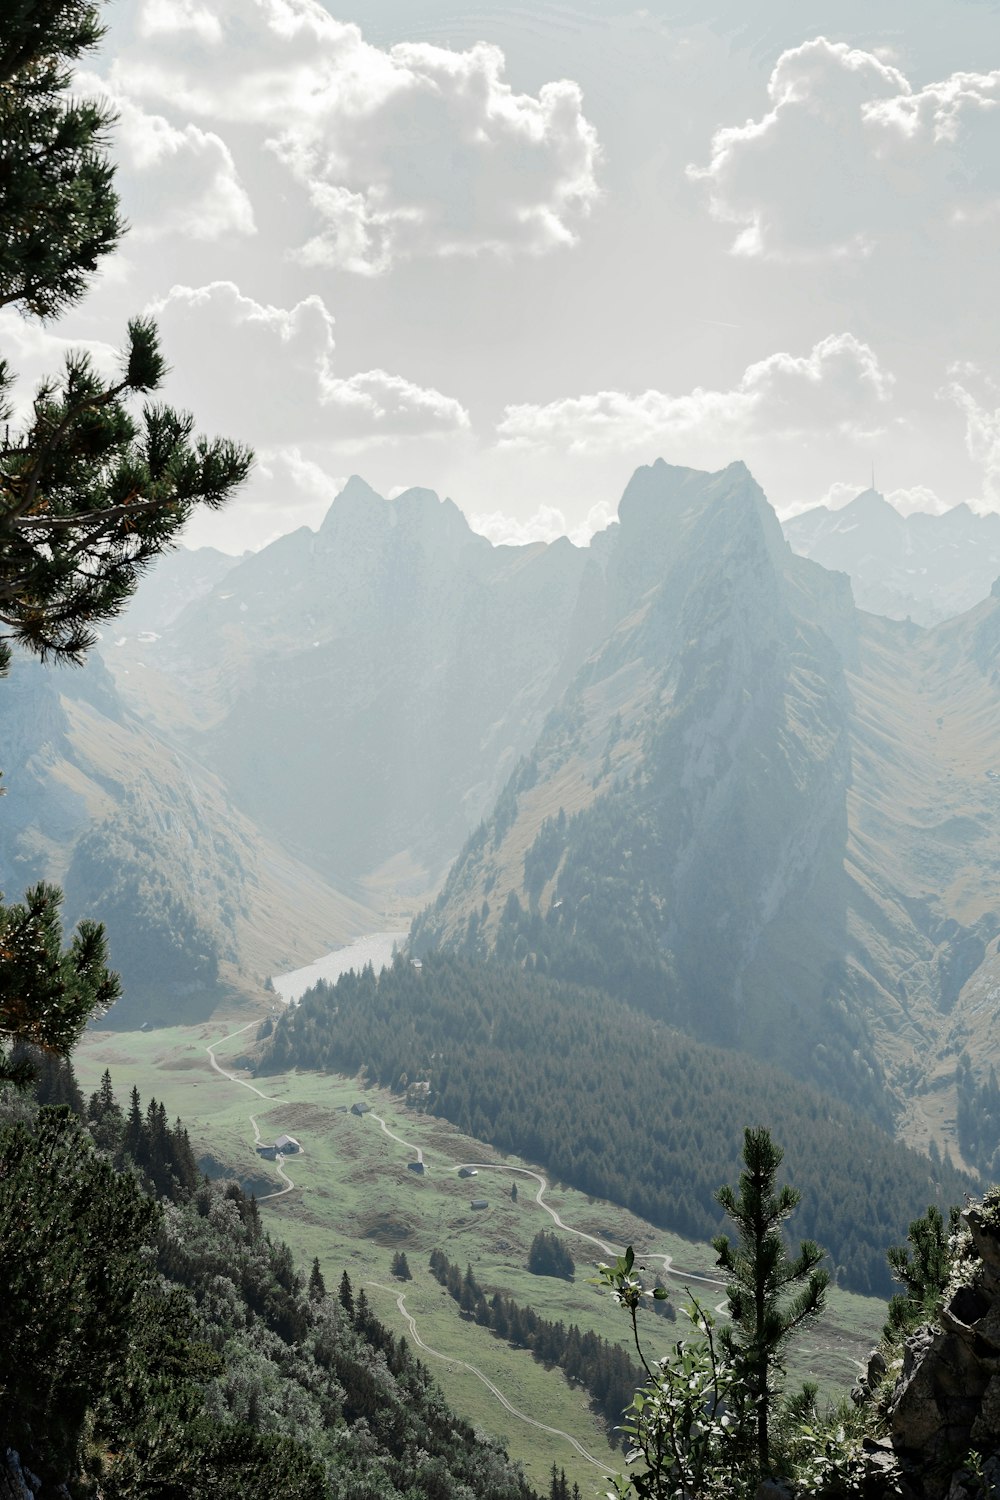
x=546, y=525
x=978, y=398
x=414, y=150
x=266, y=374
x=838, y=387
x=849, y=155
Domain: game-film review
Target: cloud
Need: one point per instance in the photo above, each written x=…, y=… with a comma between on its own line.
x=198, y=190
x=982, y=428
x=414, y=150
x=918, y=500
x=850, y=157
x=375, y=401
x=839, y=387
x=546, y=525
x=168, y=17
x=172, y=180
x=266, y=374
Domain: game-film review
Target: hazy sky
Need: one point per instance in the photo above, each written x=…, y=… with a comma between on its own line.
x=509, y=252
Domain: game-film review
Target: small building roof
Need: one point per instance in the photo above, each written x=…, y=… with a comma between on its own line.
x=286, y=1143
x=480, y=1203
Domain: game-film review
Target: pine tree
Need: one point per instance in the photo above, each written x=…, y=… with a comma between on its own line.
x=60, y=212
x=134, y=1137
x=346, y=1295
x=317, y=1286
x=923, y=1270
x=400, y=1266
x=47, y=993
x=760, y=1274
x=89, y=494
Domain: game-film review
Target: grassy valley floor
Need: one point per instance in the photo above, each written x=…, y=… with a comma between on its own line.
x=355, y=1203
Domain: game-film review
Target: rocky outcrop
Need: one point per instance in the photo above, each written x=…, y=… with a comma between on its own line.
x=17, y=1482
x=944, y=1413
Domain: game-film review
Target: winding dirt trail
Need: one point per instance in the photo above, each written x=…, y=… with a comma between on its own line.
x=232, y=1078
x=279, y=1167
x=668, y=1263
x=410, y=1146
x=463, y=1364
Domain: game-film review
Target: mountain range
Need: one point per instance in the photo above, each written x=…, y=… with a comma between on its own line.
x=921, y=567
x=679, y=763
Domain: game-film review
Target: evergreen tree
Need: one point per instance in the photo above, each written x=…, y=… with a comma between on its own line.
x=47, y=993
x=346, y=1294
x=513, y=1192
x=761, y=1274
x=317, y=1286
x=400, y=1266
x=89, y=495
x=59, y=210
x=923, y=1270
x=71, y=1237
x=548, y=1256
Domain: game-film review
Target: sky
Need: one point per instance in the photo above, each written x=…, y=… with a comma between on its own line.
x=510, y=252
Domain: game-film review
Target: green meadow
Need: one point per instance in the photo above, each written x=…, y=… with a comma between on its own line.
x=355, y=1203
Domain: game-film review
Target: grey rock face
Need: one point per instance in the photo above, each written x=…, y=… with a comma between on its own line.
x=946, y=1404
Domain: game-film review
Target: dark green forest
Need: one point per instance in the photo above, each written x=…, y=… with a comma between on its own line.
x=612, y=1102
x=157, y=1342
x=604, y=1370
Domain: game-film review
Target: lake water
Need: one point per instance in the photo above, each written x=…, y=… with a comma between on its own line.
x=375, y=949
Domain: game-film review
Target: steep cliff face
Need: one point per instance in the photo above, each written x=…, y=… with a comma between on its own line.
x=684, y=765
x=679, y=829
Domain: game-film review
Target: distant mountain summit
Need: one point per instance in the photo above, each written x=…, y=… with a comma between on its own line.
x=920, y=567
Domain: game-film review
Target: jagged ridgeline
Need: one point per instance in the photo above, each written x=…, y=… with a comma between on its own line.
x=755, y=812
x=613, y=1102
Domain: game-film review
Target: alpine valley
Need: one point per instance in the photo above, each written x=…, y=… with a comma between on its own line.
x=678, y=764
x=681, y=836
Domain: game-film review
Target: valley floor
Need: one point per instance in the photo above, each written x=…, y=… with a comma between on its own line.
x=353, y=1203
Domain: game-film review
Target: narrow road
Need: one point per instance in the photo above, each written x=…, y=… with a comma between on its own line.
x=279, y=1166
x=668, y=1263
x=472, y=1369
x=271, y=1098
x=408, y=1144
x=232, y=1076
